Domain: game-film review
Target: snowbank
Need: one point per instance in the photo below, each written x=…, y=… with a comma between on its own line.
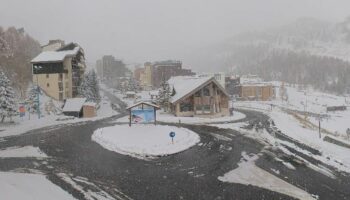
x=26, y=151
x=145, y=140
x=17, y=186
x=248, y=173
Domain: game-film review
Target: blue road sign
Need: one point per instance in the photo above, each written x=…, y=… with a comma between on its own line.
x=172, y=134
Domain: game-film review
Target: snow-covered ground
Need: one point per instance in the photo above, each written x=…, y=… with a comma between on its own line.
x=248, y=173
x=18, y=186
x=26, y=151
x=312, y=101
x=145, y=140
x=22, y=125
x=289, y=118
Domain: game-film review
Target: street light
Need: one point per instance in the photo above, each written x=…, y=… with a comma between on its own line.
x=38, y=89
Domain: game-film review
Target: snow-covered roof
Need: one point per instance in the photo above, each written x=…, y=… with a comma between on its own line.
x=55, y=56
x=143, y=102
x=130, y=92
x=74, y=104
x=184, y=85
x=154, y=92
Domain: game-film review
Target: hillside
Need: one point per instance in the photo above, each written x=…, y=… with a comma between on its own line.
x=17, y=48
x=307, y=51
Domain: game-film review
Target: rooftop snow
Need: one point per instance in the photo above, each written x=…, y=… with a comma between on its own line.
x=74, y=105
x=183, y=85
x=55, y=56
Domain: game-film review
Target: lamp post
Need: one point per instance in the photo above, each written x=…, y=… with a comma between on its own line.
x=38, y=89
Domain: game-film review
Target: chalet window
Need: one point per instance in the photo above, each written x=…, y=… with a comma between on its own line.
x=47, y=84
x=198, y=94
x=206, y=109
x=206, y=92
x=60, y=96
x=47, y=75
x=186, y=107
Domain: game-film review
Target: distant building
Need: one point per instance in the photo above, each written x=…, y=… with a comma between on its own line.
x=198, y=96
x=164, y=70
x=59, y=72
x=219, y=77
x=153, y=74
x=109, y=68
x=256, y=91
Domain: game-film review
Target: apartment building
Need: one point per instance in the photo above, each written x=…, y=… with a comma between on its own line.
x=59, y=70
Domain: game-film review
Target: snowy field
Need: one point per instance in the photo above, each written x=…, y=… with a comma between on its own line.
x=19, y=186
x=309, y=100
x=289, y=118
x=143, y=141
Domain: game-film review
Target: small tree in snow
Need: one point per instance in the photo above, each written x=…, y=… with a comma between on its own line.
x=164, y=95
x=8, y=106
x=89, y=87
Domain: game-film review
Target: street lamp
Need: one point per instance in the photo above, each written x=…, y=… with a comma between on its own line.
x=38, y=89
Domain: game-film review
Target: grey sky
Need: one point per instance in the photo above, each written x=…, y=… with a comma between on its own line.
x=142, y=30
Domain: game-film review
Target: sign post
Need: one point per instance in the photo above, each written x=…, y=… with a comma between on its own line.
x=172, y=135
x=22, y=111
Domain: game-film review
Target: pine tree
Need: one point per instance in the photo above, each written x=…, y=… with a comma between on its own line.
x=89, y=87
x=32, y=98
x=7, y=98
x=165, y=94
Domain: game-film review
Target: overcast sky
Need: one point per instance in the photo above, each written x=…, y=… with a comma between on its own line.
x=138, y=31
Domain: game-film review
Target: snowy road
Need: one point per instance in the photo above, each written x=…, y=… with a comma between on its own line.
x=88, y=171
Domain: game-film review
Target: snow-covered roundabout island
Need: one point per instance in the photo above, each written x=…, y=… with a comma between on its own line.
x=145, y=141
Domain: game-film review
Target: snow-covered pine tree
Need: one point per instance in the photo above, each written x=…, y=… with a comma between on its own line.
x=164, y=95
x=8, y=106
x=132, y=86
x=89, y=87
x=32, y=98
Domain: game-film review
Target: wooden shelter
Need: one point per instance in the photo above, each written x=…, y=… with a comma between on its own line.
x=140, y=112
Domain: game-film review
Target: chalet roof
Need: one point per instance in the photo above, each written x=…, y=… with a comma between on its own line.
x=55, y=56
x=74, y=104
x=144, y=103
x=186, y=85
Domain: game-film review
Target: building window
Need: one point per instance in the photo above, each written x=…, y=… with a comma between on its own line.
x=47, y=84
x=47, y=75
x=206, y=109
x=186, y=107
x=206, y=92
x=198, y=94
